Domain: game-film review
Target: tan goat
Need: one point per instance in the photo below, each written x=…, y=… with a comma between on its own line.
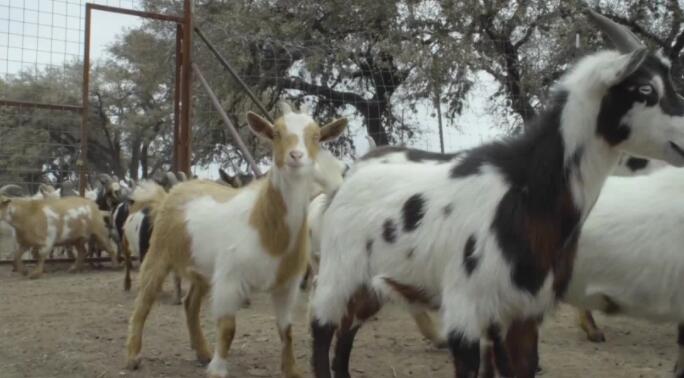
x=234, y=241
x=42, y=224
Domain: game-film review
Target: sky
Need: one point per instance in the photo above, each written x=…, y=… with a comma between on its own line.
x=37, y=33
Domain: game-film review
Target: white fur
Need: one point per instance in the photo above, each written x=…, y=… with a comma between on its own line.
x=8, y=240
x=631, y=250
x=131, y=232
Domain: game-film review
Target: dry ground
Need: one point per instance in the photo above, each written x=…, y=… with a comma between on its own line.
x=74, y=325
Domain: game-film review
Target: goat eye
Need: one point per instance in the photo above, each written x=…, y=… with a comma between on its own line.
x=646, y=90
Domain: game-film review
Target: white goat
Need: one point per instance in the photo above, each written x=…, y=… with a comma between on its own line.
x=629, y=256
x=234, y=241
x=489, y=235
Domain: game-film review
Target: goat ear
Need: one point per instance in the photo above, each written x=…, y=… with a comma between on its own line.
x=4, y=200
x=260, y=126
x=625, y=65
x=333, y=130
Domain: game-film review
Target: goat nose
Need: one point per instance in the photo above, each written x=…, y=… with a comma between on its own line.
x=296, y=155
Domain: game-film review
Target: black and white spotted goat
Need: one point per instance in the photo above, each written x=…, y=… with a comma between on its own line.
x=489, y=235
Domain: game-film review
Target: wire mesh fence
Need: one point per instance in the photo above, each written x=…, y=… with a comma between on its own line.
x=41, y=58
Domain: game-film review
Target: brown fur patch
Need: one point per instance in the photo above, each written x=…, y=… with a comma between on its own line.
x=521, y=346
x=294, y=263
x=362, y=305
x=283, y=141
x=268, y=218
x=412, y=294
x=552, y=242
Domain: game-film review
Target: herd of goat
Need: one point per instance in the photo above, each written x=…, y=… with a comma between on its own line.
x=490, y=238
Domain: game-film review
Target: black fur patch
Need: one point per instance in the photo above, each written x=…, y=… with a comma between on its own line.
x=634, y=164
x=465, y=354
x=500, y=355
x=470, y=261
x=680, y=335
x=413, y=212
x=622, y=97
x=411, y=154
x=534, y=168
x=448, y=209
x=369, y=246
x=119, y=216
x=420, y=155
x=145, y=233
x=468, y=166
x=389, y=231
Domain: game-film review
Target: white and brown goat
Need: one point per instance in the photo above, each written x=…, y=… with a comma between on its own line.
x=235, y=241
x=42, y=224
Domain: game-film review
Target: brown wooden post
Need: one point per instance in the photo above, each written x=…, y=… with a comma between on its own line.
x=176, y=101
x=83, y=160
x=186, y=90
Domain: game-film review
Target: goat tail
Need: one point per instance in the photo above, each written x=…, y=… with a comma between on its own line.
x=148, y=194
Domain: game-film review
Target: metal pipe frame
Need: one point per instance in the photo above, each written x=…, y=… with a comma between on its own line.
x=229, y=124
x=235, y=75
x=182, y=103
x=40, y=105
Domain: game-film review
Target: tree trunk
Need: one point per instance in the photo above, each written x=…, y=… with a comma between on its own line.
x=135, y=159
x=143, y=160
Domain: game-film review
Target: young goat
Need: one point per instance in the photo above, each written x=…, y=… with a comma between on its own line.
x=489, y=235
x=42, y=224
x=629, y=256
x=234, y=241
x=137, y=230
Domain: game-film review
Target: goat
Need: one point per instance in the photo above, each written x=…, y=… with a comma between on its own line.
x=489, y=235
x=629, y=257
x=137, y=230
x=233, y=241
x=42, y=224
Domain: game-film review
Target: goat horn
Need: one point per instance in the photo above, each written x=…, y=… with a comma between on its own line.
x=623, y=38
x=6, y=188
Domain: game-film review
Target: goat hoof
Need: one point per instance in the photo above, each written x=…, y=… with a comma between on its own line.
x=339, y=374
x=204, y=357
x=133, y=363
x=596, y=337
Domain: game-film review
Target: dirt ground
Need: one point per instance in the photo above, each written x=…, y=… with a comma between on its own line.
x=74, y=325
